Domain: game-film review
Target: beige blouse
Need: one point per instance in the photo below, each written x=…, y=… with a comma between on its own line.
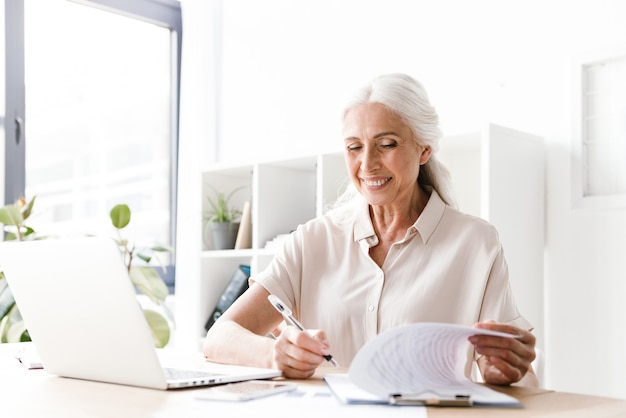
x=450, y=267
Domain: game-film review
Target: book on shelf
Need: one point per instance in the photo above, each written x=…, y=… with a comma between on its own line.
x=244, y=234
x=237, y=284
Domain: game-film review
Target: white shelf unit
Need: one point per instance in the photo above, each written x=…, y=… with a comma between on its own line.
x=498, y=174
x=283, y=195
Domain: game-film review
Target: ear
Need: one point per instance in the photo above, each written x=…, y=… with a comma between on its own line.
x=425, y=155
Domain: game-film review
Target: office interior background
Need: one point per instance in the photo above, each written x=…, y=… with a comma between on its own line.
x=261, y=80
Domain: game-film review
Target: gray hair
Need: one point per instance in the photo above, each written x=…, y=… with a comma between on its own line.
x=407, y=98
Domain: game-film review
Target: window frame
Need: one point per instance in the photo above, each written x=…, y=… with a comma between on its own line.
x=14, y=156
x=580, y=198
x=165, y=13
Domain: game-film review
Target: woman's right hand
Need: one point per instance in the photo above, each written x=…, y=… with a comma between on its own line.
x=298, y=353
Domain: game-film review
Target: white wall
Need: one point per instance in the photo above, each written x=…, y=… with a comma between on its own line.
x=287, y=65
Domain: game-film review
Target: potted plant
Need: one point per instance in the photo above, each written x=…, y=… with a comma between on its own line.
x=144, y=277
x=12, y=327
x=221, y=220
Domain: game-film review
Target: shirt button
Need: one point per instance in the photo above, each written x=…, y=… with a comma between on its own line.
x=370, y=308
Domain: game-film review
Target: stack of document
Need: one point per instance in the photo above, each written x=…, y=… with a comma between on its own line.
x=416, y=364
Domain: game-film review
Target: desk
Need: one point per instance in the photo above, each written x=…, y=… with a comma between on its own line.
x=35, y=393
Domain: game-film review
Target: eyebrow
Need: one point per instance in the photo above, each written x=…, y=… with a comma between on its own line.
x=378, y=135
x=386, y=134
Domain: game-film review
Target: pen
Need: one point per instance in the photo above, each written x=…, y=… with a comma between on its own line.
x=287, y=314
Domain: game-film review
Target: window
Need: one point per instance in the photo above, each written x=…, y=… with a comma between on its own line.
x=12, y=96
x=600, y=148
x=101, y=106
x=3, y=95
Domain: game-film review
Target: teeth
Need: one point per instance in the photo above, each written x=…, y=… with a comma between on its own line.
x=376, y=182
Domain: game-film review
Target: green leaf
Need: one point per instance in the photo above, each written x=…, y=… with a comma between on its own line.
x=11, y=236
x=28, y=208
x=220, y=211
x=6, y=298
x=4, y=330
x=27, y=230
x=121, y=242
x=120, y=216
x=148, y=281
x=11, y=215
x=25, y=336
x=13, y=328
x=17, y=332
x=144, y=257
x=161, y=248
x=159, y=327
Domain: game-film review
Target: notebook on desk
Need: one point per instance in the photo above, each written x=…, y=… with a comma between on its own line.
x=83, y=316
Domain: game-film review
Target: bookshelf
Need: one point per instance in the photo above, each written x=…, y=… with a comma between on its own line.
x=283, y=194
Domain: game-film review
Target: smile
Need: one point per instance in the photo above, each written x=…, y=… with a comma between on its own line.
x=376, y=183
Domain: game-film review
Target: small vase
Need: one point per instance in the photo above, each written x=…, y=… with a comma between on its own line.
x=223, y=235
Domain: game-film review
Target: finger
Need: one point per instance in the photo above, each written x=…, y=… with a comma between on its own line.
x=502, y=366
x=320, y=336
x=291, y=367
x=295, y=345
x=495, y=371
x=523, y=345
x=500, y=327
x=502, y=356
x=313, y=341
x=526, y=337
x=506, y=364
x=511, y=351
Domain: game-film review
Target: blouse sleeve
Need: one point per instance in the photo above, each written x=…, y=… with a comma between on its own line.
x=282, y=276
x=498, y=301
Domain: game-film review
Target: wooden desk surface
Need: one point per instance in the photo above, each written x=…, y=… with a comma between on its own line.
x=536, y=403
x=35, y=393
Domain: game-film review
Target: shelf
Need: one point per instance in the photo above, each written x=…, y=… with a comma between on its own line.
x=283, y=195
x=227, y=253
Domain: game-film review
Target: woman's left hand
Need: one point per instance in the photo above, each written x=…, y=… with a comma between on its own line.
x=504, y=360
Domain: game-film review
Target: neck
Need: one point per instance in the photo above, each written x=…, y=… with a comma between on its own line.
x=392, y=220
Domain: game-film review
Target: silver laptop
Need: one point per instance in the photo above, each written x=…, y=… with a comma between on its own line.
x=85, y=321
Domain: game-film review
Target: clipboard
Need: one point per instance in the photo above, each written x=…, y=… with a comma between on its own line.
x=470, y=395
x=348, y=393
x=385, y=367
x=430, y=399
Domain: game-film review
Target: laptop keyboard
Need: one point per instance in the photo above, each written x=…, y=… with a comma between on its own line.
x=176, y=374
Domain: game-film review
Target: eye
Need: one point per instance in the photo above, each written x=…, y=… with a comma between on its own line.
x=353, y=147
x=389, y=145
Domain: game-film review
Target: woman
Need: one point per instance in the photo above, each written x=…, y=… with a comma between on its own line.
x=393, y=251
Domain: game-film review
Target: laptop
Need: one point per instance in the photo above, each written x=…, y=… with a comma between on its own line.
x=84, y=319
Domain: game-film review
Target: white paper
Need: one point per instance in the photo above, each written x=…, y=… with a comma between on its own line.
x=29, y=356
x=422, y=358
x=347, y=392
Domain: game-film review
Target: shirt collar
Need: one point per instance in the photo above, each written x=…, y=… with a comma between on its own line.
x=425, y=224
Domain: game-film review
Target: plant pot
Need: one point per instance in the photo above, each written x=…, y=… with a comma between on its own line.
x=223, y=235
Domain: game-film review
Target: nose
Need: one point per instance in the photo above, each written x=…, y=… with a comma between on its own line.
x=370, y=159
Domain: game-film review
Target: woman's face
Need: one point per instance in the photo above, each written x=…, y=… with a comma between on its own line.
x=382, y=158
